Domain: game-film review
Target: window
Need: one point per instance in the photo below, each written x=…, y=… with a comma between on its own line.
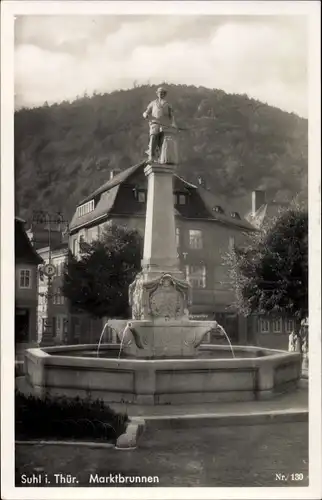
x=58, y=323
x=141, y=196
x=65, y=325
x=277, y=325
x=179, y=199
x=75, y=246
x=218, y=209
x=231, y=243
x=196, y=276
x=41, y=273
x=91, y=234
x=289, y=325
x=61, y=324
x=47, y=325
x=25, y=278
x=221, y=276
x=81, y=240
x=178, y=237
x=60, y=297
x=44, y=324
x=59, y=268
x=182, y=199
x=85, y=208
x=263, y=325
x=195, y=239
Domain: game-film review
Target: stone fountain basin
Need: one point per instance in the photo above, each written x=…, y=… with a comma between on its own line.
x=165, y=338
x=255, y=373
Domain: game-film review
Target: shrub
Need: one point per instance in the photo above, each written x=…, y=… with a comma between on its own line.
x=66, y=418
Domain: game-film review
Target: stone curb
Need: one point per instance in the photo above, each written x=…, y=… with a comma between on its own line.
x=129, y=440
x=89, y=444
x=226, y=419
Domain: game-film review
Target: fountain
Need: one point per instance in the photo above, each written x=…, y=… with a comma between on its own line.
x=161, y=359
x=100, y=339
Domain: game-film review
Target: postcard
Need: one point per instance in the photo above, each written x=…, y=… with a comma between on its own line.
x=160, y=250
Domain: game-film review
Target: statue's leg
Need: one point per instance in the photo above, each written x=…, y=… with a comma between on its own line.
x=161, y=139
x=152, y=146
x=157, y=145
x=148, y=151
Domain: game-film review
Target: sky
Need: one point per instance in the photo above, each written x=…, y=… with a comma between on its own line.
x=62, y=57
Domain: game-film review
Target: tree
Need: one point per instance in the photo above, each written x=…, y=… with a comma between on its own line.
x=270, y=274
x=98, y=282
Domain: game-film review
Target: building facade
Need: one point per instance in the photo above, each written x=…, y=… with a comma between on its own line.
x=53, y=311
x=27, y=261
x=270, y=331
x=204, y=233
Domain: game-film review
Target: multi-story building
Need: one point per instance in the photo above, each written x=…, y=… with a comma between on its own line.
x=53, y=310
x=26, y=287
x=204, y=232
x=48, y=233
x=46, y=229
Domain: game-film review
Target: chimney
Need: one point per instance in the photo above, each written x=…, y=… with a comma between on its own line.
x=258, y=199
x=114, y=172
x=201, y=182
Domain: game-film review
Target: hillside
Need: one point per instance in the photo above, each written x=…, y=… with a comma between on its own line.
x=236, y=144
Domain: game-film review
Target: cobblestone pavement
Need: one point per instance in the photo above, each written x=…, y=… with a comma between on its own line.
x=210, y=456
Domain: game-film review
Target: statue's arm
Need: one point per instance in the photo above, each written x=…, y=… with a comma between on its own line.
x=148, y=111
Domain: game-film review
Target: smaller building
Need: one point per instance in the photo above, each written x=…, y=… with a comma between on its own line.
x=271, y=331
x=27, y=261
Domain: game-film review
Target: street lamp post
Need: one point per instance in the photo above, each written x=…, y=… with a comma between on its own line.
x=49, y=270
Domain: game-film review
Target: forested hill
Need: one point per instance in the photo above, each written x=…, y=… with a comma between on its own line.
x=236, y=144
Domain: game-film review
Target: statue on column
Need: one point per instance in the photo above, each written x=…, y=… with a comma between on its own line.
x=162, y=143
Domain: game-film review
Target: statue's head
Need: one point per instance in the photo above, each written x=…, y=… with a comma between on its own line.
x=161, y=92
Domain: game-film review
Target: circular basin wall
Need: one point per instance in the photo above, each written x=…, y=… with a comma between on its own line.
x=254, y=373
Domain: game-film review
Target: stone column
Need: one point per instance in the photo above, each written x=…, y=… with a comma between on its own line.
x=160, y=249
x=159, y=296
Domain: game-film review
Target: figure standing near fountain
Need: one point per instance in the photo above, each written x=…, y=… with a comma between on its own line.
x=162, y=125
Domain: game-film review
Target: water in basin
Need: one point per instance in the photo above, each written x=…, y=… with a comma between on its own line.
x=112, y=352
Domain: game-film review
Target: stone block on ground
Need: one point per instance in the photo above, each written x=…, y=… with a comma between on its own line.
x=129, y=439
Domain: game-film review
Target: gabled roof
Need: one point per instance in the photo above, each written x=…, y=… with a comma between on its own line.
x=211, y=201
x=24, y=251
x=115, y=181
x=107, y=203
